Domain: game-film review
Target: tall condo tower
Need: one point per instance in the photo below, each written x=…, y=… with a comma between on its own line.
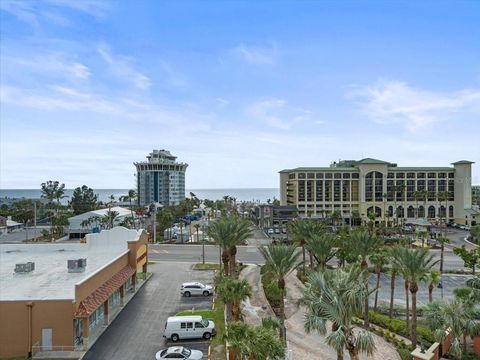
x=160, y=179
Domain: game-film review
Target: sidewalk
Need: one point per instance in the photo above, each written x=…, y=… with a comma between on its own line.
x=307, y=346
x=257, y=307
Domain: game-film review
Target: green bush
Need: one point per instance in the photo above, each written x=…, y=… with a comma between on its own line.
x=405, y=354
x=469, y=357
x=272, y=291
x=425, y=335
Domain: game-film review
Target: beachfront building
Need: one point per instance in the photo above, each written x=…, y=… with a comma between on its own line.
x=476, y=195
x=359, y=190
x=160, y=179
x=61, y=296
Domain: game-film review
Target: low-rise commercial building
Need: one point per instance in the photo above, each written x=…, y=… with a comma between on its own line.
x=268, y=215
x=60, y=296
x=356, y=189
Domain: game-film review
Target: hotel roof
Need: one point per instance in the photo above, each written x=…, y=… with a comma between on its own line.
x=51, y=280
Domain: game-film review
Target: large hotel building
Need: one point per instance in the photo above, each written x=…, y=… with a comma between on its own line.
x=357, y=188
x=160, y=179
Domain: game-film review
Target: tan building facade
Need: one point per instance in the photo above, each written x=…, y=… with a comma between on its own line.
x=355, y=189
x=51, y=308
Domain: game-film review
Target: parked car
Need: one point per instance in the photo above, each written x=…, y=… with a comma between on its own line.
x=277, y=231
x=270, y=231
x=179, y=352
x=188, y=327
x=195, y=288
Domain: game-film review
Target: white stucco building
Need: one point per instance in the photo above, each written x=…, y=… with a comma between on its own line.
x=358, y=188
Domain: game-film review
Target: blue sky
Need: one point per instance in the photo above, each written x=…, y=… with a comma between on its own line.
x=237, y=89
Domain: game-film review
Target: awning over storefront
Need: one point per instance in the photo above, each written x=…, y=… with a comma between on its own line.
x=419, y=222
x=98, y=297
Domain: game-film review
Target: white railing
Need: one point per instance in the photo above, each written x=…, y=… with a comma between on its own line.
x=36, y=348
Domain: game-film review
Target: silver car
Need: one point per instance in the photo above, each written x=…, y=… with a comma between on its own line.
x=179, y=352
x=195, y=288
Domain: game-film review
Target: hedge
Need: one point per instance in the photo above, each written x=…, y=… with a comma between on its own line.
x=425, y=335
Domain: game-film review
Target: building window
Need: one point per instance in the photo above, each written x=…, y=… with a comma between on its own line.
x=346, y=175
x=432, y=175
x=390, y=211
x=400, y=191
x=400, y=175
x=420, y=175
x=421, y=212
x=337, y=176
x=431, y=212
x=442, y=175
x=301, y=175
x=328, y=175
x=390, y=175
x=301, y=191
x=410, y=212
x=319, y=175
x=345, y=190
x=400, y=212
x=442, y=212
x=319, y=191
x=431, y=190
x=410, y=175
x=410, y=190
x=309, y=190
x=310, y=176
x=328, y=190
x=336, y=190
x=450, y=211
x=291, y=176
x=451, y=175
x=420, y=185
x=355, y=176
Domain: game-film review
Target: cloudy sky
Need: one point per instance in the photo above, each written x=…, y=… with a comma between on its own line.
x=237, y=89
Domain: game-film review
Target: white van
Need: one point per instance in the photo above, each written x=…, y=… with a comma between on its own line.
x=188, y=327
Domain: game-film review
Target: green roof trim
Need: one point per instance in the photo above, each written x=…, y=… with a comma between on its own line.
x=472, y=211
x=372, y=161
x=461, y=162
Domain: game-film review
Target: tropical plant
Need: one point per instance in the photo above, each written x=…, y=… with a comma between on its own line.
x=322, y=247
x=415, y=264
x=456, y=318
x=475, y=233
x=222, y=231
x=53, y=190
x=362, y=243
x=241, y=232
x=280, y=260
x=470, y=257
x=110, y=217
x=379, y=259
x=132, y=195
x=442, y=240
x=83, y=200
x=422, y=234
x=393, y=274
x=232, y=292
x=336, y=297
x=254, y=343
x=433, y=279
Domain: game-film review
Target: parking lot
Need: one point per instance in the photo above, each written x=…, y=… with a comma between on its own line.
x=137, y=332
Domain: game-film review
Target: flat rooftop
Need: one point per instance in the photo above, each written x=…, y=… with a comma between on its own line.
x=51, y=280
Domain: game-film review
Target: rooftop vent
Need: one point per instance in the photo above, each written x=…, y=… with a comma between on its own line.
x=76, y=266
x=24, y=268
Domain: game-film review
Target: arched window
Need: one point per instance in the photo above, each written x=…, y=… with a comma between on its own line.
x=390, y=211
x=450, y=211
x=374, y=186
x=410, y=212
x=442, y=212
x=400, y=212
x=431, y=212
x=421, y=211
x=374, y=210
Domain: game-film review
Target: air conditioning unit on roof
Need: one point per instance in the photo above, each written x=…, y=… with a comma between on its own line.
x=24, y=268
x=77, y=265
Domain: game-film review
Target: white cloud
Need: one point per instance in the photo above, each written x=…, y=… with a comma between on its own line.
x=396, y=102
x=33, y=12
x=277, y=113
x=56, y=64
x=256, y=55
x=121, y=67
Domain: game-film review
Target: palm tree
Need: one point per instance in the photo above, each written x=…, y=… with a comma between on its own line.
x=379, y=259
x=255, y=343
x=362, y=243
x=433, y=279
x=223, y=233
x=322, y=247
x=241, y=232
x=398, y=255
x=110, y=217
x=337, y=296
x=300, y=231
x=232, y=292
x=442, y=240
x=132, y=194
x=456, y=318
x=442, y=196
x=280, y=260
x=400, y=189
x=422, y=234
x=415, y=265
x=393, y=275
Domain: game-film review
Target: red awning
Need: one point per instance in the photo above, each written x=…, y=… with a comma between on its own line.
x=98, y=297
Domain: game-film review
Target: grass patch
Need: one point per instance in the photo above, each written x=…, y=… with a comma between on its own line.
x=206, y=266
x=217, y=343
x=140, y=275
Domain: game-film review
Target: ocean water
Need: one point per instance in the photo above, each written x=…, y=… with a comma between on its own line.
x=254, y=194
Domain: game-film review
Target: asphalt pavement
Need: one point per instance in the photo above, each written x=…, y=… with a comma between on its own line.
x=137, y=332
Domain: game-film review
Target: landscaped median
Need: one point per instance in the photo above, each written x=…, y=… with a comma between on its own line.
x=216, y=314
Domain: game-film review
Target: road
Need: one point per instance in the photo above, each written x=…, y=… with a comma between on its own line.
x=21, y=235
x=137, y=332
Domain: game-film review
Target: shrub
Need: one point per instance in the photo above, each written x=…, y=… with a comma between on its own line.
x=405, y=354
x=425, y=335
x=469, y=357
x=272, y=291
